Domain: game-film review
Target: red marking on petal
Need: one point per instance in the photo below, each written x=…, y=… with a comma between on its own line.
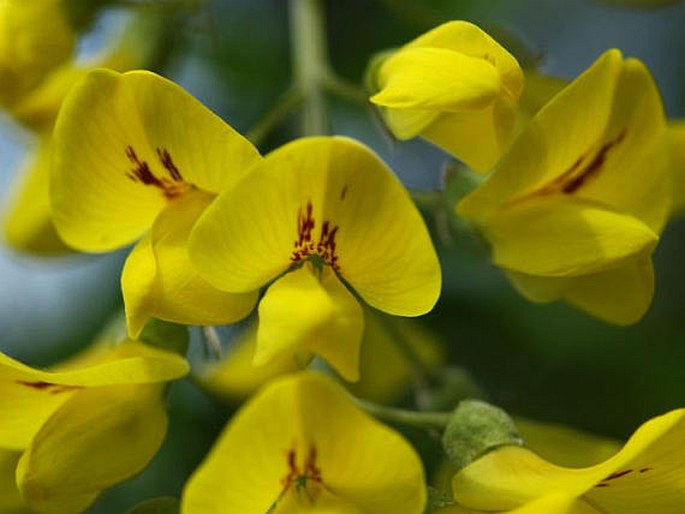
x=171, y=187
x=48, y=386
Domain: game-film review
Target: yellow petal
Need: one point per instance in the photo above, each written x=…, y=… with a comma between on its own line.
x=159, y=281
x=634, y=174
x=126, y=145
x=32, y=395
x=470, y=40
x=236, y=376
x=559, y=236
x=28, y=225
x=408, y=123
x=116, y=430
x=327, y=196
x=436, y=79
x=477, y=138
x=301, y=312
x=619, y=295
x=568, y=128
x=645, y=476
x=362, y=465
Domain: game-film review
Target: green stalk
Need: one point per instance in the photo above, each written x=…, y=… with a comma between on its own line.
x=310, y=63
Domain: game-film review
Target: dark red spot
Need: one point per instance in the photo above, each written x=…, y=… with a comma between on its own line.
x=171, y=187
x=592, y=168
x=48, y=386
x=343, y=193
x=309, y=471
x=618, y=474
x=304, y=244
x=644, y=470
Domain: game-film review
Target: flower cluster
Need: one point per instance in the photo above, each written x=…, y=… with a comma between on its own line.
x=323, y=246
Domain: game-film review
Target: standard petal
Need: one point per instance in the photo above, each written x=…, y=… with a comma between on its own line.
x=116, y=430
x=302, y=312
x=159, y=280
x=305, y=428
x=436, y=79
x=325, y=196
x=560, y=236
x=382, y=246
x=554, y=143
x=128, y=144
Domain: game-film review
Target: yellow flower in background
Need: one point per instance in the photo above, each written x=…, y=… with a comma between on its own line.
x=314, y=213
x=576, y=206
x=135, y=156
x=454, y=86
x=35, y=38
x=300, y=445
x=385, y=370
x=28, y=225
x=646, y=475
x=85, y=425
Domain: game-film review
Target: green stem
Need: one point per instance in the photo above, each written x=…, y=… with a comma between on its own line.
x=310, y=63
x=428, y=420
x=285, y=105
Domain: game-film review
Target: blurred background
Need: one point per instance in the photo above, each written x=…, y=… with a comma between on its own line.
x=544, y=362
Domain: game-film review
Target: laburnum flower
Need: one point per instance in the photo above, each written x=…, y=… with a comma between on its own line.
x=300, y=445
x=28, y=225
x=35, y=38
x=85, y=425
x=454, y=86
x=135, y=156
x=314, y=216
x=575, y=208
x=646, y=475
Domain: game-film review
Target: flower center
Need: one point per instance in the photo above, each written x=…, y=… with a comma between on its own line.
x=171, y=187
x=303, y=478
x=306, y=247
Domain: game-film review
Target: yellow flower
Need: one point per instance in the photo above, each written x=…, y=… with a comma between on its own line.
x=35, y=38
x=576, y=206
x=105, y=408
x=300, y=445
x=28, y=222
x=456, y=87
x=313, y=212
x=136, y=156
x=647, y=475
